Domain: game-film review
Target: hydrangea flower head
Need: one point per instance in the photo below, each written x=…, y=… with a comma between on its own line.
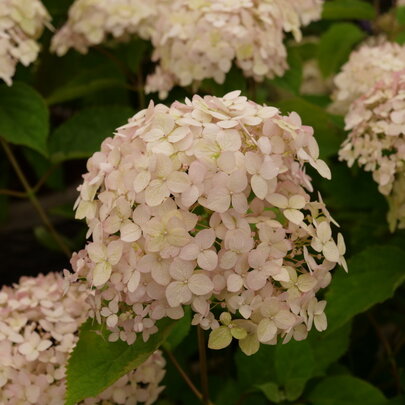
x=208, y=204
x=38, y=329
x=376, y=140
x=369, y=64
x=93, y=21
x=200, y=39
x=21, y=24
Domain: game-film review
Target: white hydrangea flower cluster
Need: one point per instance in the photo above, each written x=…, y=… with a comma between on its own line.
x=376, y=141
x=21, y=24
x=207, y=204
x=199, y=39
x=38, y=330
x=93, y=21
x=369, y=64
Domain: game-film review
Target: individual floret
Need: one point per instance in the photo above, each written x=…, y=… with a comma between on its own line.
x=38, y=329
x=208, y=204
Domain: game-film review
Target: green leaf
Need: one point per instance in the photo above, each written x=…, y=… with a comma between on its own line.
x=335, y=46
x=373, y=276
x=291, y=81
x=345, y=390
x=288, y=366
x=272, y=392
x=294, y=363
x=95, y=363
x=327, y=348
x=400, y=14
x=348, y=10
x=81, y=136
x=179, y=331
x=328, y=131
x=24, y=117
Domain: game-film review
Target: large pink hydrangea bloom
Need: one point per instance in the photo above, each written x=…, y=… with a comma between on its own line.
x=200, y=39
x=91, y=22
x=376, y=140
x=38, y=329
x=21, y=24
x=370, y=63
x=207, y=204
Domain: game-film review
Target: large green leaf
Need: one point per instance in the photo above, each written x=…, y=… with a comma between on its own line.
x=345, y=390
x=335, y=46
x=327, y=348
x=373, y=276
x=328, y=131
x=348, y=10
x=81, y=136
x=288, y=368
x=95, y=363
x=24, y=118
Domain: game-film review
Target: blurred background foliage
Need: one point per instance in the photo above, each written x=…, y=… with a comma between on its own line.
x=60, y=109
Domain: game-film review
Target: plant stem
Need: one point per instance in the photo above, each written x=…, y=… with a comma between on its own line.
x=203, y=365
x=184, y=375
x=33, y=198
x=12, y=193
x=388, y=350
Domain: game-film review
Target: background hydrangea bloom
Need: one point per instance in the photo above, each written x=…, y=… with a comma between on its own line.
x=376, y=141
x=207, y=204
x=196, y=40
x=21, y=24
x=369, y=64
x=38, y=329
x=93, y=21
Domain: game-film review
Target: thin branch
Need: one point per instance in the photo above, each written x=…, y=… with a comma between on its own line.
x=12, y=193
x=203, y=365
x=184, y=375
x=388, y=350
x=33, y=198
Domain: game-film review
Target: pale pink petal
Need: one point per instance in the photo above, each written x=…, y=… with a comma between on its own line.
x=114, y=251
x=295, y=216
x=156, y=192
x=177, y=293
x=278, y=200
x=181, y=270
x=130, y=232
x=306, y=282
x=200, y=284
x=240, y=203
x=237, y=181
x=205, y=238
x=284, y=319
x=266, y=330
x=269, y=169
x=297, y=202
x=207, y=260
x=101, y=273
x=178, y=182
x=96, y=252
x=234, y=282
x=229, y=140
x=323, y=169
x=161, y=274
x=259, y=186
x=256, y=280
x=133, y=281
x=324, y=232
x=218, y=200
x=228, y=260
x=190, y=196
x=45, y=344
x=178, y=134
x=142, y=179
x=320, y=322
x=189, y=252
x=331, y=251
